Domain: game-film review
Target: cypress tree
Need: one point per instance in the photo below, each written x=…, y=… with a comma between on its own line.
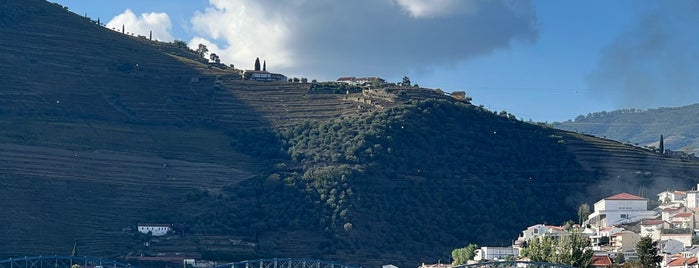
x=257, y=64
x=264, y=65
x=662, y=145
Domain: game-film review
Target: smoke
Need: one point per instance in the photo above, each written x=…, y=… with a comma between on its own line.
x=653, y=63
x=327, y=39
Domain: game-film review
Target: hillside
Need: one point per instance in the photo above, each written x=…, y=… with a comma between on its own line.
x=678, y=125
x=100, y=131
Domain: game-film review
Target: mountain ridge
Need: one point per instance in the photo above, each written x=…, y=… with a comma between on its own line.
x=101, y=131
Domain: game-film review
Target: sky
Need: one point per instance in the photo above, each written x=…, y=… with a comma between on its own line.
x=541, y=60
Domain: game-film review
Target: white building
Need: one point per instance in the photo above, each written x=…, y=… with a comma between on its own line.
x=672, y=197
x=154, y=228
x=496, y=253
x=620, y=209
x=685, y=239
x=539, y=230
x=692, y=199
x=652, y=228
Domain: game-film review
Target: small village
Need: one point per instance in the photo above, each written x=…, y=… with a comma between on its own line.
x=614, y=227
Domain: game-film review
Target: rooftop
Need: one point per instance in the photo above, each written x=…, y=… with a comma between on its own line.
x=625, y=196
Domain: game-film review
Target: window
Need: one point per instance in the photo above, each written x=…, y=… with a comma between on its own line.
x=624, y=216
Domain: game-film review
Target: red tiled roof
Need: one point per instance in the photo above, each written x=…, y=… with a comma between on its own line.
x=680, y=193
x=559, y=228
x=625, y=196
x=154, y=225
x=598, y=261
x=683, y=215
x=682, y=261
x=652, y=222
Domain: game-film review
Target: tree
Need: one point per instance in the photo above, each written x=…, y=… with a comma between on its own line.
x=572, y=249
x=180, y=43
x=647, y=251
x=661, y=146
x=619, y=258
x=264, y=65
x=304, y=80
x=539, y=249
x=215, y=58
x=202, y=50
x=257, y=64
x=583, y=212
x=463, y=255
x=406, y=81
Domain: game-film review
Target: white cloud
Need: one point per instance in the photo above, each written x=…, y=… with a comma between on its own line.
x=246, y=30
x=326, y=39
x=159, y=23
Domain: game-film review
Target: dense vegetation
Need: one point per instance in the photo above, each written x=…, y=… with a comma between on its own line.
x=120, y=130
x=365, y=180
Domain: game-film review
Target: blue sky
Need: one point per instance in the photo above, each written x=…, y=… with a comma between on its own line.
x=542, y=60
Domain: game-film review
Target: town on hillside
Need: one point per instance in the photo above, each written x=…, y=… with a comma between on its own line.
x=612, y=232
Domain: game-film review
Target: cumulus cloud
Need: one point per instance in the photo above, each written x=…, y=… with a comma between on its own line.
x=653, y=63
x=159, y=23
x=326, y=39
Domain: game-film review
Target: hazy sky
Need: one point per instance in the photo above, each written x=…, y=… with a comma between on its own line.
x=541, y=60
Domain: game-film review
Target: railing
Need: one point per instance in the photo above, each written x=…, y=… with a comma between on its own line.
x=56, y=261
x=518, y=264
x=284, y=263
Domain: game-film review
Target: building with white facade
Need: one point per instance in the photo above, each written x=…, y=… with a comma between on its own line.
x=154, y=228
x=620, y=209
x=539, y=230
x=496, y=253
x=652, y=228
x=672, y=197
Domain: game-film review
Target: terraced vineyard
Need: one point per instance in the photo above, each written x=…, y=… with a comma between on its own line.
x=100, y=131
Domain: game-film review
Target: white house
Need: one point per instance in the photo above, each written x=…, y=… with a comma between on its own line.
x=682, y=220
x=619, y=209
x=692, y=199
x=539, y=230
x=685, y=239
x=154, y=228
x=496, y=253
x=668, y=213
x=263, y=76
x=672, y=197
x=652, y=228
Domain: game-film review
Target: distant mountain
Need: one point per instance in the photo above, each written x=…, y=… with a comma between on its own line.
x=679, y=127
x=101, y=131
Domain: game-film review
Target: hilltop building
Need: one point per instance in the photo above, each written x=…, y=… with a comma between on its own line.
x=356, y=81
x=262, y=74
x=156, y=229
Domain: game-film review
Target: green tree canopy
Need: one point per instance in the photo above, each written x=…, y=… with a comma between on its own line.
x=463, y=255
x=406, y=82
x=202, y=50
x=647, y=251
x=571, y=249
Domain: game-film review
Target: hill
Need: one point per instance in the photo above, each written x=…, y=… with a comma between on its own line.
x=678, y=125
x=102, y=131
